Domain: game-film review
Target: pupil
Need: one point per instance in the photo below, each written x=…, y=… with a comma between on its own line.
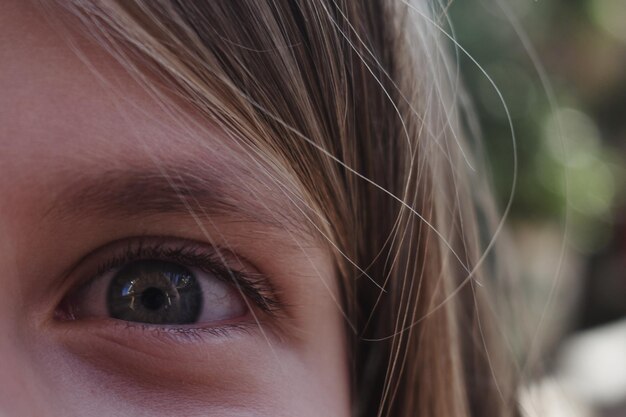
x=153, y=298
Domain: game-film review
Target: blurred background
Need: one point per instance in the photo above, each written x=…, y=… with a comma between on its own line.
x=561, y=67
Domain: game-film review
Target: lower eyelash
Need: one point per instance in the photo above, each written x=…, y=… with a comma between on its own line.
x=192, y=334
x=178, y=334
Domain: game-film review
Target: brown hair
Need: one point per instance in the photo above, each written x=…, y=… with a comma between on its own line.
x=353, y=104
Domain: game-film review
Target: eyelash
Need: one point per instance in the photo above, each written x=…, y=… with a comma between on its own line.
x=253, y=285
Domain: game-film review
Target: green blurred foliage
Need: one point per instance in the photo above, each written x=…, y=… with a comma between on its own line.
x=570, y=150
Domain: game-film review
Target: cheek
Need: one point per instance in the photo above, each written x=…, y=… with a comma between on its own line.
x=238, y=377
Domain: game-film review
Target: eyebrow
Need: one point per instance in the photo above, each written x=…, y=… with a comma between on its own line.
x=182, y=188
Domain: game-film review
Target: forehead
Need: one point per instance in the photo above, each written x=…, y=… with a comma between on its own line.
x=69, y=111
x=60, y=104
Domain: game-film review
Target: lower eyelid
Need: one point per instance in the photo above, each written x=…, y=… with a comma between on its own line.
x=159, y=341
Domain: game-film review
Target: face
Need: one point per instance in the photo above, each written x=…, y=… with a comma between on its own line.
x=146, y=265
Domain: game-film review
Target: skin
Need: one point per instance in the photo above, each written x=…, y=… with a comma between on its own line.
x=64, y=126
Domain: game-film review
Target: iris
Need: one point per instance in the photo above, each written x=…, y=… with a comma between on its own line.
x=155, y=292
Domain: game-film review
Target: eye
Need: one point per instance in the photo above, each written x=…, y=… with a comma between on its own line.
x=166, y=284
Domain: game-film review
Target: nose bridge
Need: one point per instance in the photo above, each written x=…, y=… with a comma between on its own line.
x=9, y=277
x=10, y=291
x=19, y=391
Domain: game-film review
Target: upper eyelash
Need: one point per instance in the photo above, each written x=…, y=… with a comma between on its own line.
x=192, y=254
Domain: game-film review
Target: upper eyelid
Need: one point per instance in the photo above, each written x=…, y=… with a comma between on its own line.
x=254, y=285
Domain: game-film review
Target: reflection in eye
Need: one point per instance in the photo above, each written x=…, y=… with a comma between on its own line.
x=166, y=293
x=167, y=283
